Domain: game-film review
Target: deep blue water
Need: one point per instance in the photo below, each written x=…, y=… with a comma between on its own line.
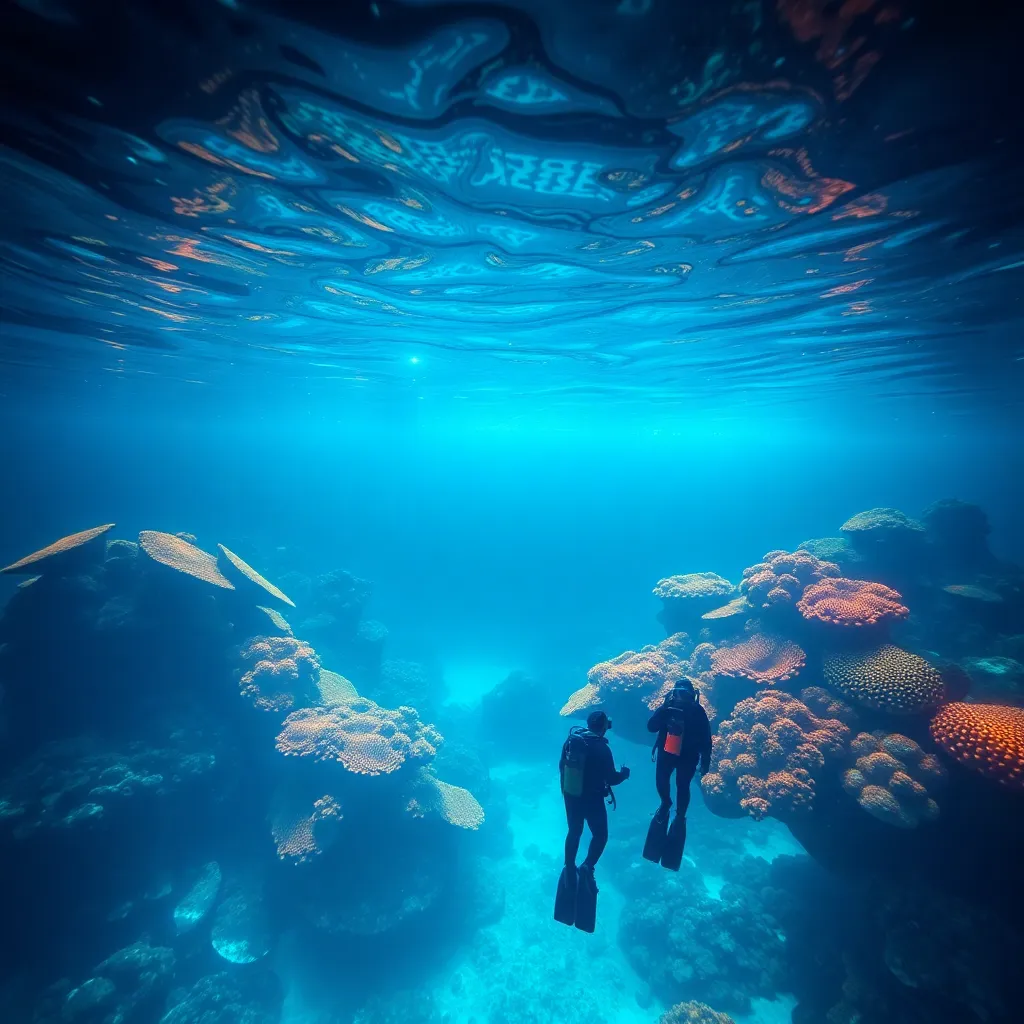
x=509, y=312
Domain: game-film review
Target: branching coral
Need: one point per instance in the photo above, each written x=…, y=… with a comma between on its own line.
x=886, y=678
x=894, y=779
x=767, y=755
x=986, y=738
x=762, y=658
x=282, y=674
x=50, y=558
x=247, y=571
x=843, y=602
x=780, y=577
x=178, y=554
x=361, y=736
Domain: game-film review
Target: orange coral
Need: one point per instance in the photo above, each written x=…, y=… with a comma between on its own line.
x=454, y=804
x=781, y=576
x=987, y=738
x=283, y=672
x=767, y=755
x=180, y=555
x=251, y=574
x=763, y=659
x=845, y=602
x=894, y=779
x=363, y=737
x=47, y=558
x=886, y=678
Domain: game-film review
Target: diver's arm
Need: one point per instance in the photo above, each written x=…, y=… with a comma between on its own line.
x=612, y=776
x=657, y=720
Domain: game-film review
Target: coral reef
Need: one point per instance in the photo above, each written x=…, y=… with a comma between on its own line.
x=767, y=756
x=361, y=736
x=60, y=556
x=247, y=572
x=764, y=659
x=886, y=678
x=686, y=597
x=183, y=557
x=894, y=779
x=843, y=602
x=985, y=738
x=880, y=527
x=780, y=578
x=283, y=673
x=837, y=550
x=303, y=826
x=694, y=1013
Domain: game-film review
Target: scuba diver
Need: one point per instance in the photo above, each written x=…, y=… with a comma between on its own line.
x=587, y=772
x=684, y=739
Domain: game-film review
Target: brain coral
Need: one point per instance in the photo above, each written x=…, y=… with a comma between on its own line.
x=693, y=585
x=780, y=577
x=253, y=576
x=363, y=737
x=894, y=779
x=183, y=557
x=767, y=755
x=762, y=658
x=851, y=603
x=282, y=673
x=694, y=1013
x=987, y=738
x=886, y=678
x=49, y=559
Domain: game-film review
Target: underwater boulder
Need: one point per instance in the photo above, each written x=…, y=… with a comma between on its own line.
x=241, y=929
x=229, y=997
x=199, y=900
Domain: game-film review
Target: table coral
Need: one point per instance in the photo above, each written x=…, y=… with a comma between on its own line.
x=283, y=672
x=767, y=755
x=878, y=527
x=762, y=658
x=183, y=557
x=986, y=738
x=56, y=556
x=248, y=572
x=781, y=577
x=453, y=804
x=843, y=602
x=893, y=779
x=886, y=678
x=363, y=737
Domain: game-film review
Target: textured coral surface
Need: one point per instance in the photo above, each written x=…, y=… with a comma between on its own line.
x=886, y=678
x=987, y=738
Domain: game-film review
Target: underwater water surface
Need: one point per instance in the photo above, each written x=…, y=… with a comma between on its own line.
x=386, y=388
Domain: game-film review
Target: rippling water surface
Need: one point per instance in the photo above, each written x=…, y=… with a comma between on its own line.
x=621, y=199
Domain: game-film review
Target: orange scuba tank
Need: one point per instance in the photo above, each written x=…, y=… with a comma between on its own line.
x=674, y=734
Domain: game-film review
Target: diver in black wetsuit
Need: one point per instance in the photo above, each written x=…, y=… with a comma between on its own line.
x=587, y=771
x=684, y=740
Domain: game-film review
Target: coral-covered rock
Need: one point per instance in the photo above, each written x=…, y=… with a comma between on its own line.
x=851, y=603
x=303, y=825
x=778, y=580
x=894, y=779
x=686, y=597
x=255, y=997
x=886, y=678
x=881, y=526
x=763, y=659
x=985, y=738
x=694, y=1013
x=361, y=736
x=282, y=673
x=767, y=755
x=837, y=550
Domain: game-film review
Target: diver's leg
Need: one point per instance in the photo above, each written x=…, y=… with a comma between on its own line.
x=663, y=778
x=574, y=818
x=684, y=776
x=597, y=819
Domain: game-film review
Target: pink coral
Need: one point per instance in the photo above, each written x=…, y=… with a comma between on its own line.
x=781, y=576
x=844, y=602
x=282, y=673
x=763, y=659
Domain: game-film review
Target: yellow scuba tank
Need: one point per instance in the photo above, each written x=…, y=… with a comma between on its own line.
x=575, y=763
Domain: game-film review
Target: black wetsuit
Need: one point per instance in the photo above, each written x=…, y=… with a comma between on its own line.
x=695, y=746
x=598, y=774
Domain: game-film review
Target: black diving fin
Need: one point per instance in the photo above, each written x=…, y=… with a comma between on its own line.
x=565, y=897
x=586, y=901
x=654, y=845
x=672, y=855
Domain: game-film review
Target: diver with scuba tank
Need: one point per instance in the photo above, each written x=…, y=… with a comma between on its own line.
x=684, y=741
x=587, y=771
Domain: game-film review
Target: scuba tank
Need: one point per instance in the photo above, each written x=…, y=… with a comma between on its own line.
x=575, y=762
x=674, y=732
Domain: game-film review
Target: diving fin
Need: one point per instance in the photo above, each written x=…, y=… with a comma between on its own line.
x=586, y=901
x=655, y=843
x=672, y=856
x=565, y=897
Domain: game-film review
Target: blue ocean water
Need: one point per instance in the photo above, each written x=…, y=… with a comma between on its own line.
x=449, y=372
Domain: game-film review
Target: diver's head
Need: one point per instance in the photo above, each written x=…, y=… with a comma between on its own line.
x=598, y=722
x=683, y=693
